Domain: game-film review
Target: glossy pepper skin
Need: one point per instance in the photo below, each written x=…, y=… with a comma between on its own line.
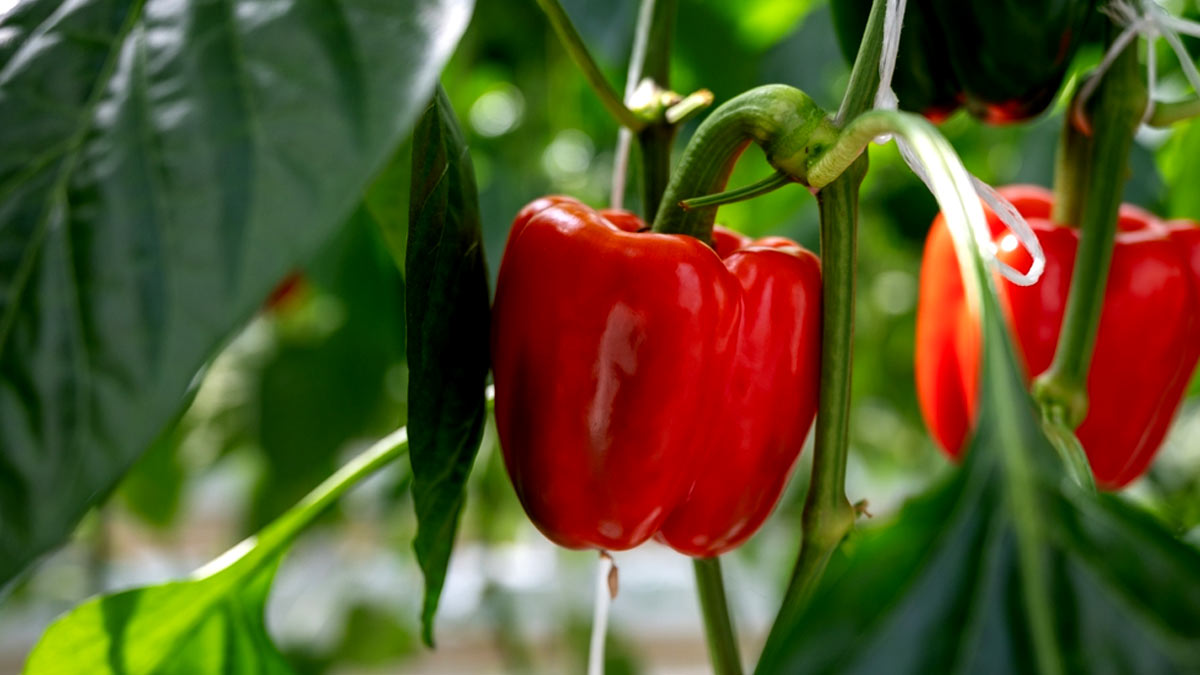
x=1147, y=344
x=1004, y=60
x=647, y=385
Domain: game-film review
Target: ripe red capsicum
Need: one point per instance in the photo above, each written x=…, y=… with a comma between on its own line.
x=1147, y=344
x=647, y=384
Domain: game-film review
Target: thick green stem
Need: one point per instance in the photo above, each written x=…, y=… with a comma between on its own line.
x=864, y=76
x=1118, y=107
x=579, y=53
x=828, y=515
x=655, y=143
x=1071, y=173
x=781, y=119
x=718, y=628
x=651, y=60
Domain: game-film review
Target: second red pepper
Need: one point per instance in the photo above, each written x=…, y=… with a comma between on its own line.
x=647, y=385
x=1147, y=345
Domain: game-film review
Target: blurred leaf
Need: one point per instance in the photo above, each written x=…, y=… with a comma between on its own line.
x=152, y=488
x=762, y=23
x=1005, y=567
x=387, y=202
x=1181, y=171
x=374, y=638
x=211, y=623
x=328, y=379
x=447, y=338
x=163, y=164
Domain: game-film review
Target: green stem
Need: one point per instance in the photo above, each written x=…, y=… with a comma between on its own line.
x=272, y=538
x=655, y=143
x=783, y=120
x=1071, y=173
x=1166, y=114
x=864, y=76
x=1020, y=482
x=651, y=60
x=755, y=189
x=828, y=515
x=689, y=106
x=574, y=45
x=1118, y=107
x=722, y=639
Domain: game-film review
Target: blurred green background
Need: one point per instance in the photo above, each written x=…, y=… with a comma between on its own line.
x=321, y=373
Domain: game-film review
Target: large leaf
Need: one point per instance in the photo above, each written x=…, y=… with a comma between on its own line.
x=1006, y=567
x=212, y=623
x=447, y=319
x=162, y=164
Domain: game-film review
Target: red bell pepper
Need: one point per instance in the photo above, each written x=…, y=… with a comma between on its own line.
x=644, y=383
x=1147, y=344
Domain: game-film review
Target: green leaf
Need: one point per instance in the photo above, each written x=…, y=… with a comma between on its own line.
x=192, y=627
x=1008, y=566
x=447, y=308
x=1181, y=171
x=211, y=623
x=162, y=166
x=153, y=487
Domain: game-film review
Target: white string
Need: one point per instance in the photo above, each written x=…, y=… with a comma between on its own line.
x=1151, y=21
x=606, y=590
x=885, y=99
x=893, y=22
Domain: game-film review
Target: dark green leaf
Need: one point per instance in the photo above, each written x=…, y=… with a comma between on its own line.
x=210, y=623
x=447, y=310
x=162, y=166
x=1006, y=567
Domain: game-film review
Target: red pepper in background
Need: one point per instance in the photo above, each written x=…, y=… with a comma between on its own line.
x=1147, y=345
x=646, y=383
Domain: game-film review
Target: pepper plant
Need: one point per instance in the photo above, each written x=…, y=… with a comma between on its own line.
x=652, y=375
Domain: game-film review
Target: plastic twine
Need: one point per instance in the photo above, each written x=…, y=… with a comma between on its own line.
x=1151, y=21
x=885, y=99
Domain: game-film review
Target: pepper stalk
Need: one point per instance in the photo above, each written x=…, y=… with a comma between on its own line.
x=1091, y=169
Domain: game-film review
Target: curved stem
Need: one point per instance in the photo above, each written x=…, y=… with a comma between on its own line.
x=856, y=136
x=828, y=516
x=781, y=119
x=574, y=45
x=722, y=639
x=1118, y=108
x=1166, y=114
x=755, y=189
x=689, y=106
x=271, y=539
